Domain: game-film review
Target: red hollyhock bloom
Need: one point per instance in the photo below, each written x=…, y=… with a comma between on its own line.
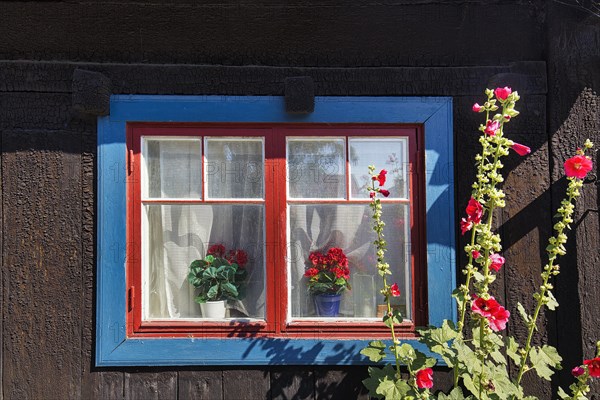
x=465, y=225
x=577, y=371
x=384, y=192
x=474, y=210
x=477, y=108
x=394, y=290
x=502, y=93
x=217, y=250
x=498, y=319
x=492, y=127
x=381, y=177
x=311, y=272
x=372, y=195
x=497, y=261
x=475, y=254
x=578, y=166
x=424, y=378
x=593, y=367
x=520, y=149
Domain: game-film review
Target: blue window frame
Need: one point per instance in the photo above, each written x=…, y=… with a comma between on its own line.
x=114, y=348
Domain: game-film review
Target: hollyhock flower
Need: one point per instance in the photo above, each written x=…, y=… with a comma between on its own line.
x=381, y=177
x=311, y=272
x=502, y=93
x=465, y=225
x=491, y=127
x=372, y=195
x=498, y=319
x=578, y=166
x=520, y=149
x=384, y=192
x=424, y=378
x=477, y=108
x=475, y=254
x=474, y=210
x=394, y=290
x=497, y=261
x=593, y=367
x=577, y=371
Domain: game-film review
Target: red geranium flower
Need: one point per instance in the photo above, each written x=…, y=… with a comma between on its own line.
x=465, y=225
x=237, y=256
x=502, y=93
x=394, y=290
x=520, y=149
x=578, y=166
x=424, y=378
x=384, y=192
x=474, y=210
x=217, y=250
x=593, y=367
x=492, y=127
x=497, y=261
x=311, y=272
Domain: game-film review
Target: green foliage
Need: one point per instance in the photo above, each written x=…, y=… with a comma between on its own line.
x=216, y=279
x=375, y=351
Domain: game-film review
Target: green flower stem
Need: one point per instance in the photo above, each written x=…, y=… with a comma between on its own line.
x=549, y=270
x=483, y=355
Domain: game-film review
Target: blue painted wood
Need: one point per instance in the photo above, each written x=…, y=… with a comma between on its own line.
x=112, y=346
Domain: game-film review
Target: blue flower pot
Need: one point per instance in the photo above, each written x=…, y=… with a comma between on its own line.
x=328, y=305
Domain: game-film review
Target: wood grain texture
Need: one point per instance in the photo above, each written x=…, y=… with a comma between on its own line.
x=266, y=33
x=247, y=383
x=337, y=383
x=200, y=385
x=150, y=385
x=42, y=264
x=292, y=383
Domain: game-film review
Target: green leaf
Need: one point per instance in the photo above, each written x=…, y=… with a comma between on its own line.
x=375, y=351
x=230, y=289
x=523, y=313
x=562, y=394
x=512, y=350
x=422, y=361
x=393, y=390
x=210, y=273
x=395, y=319
x=455, y=394
x=407, y=352
x=459, y=295
x=543, y=358
x=376, y=377
x=466, y=355
x=478, y=276
x=212, y=292
x=551, y=301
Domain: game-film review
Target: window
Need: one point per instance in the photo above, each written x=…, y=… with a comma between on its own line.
x=241, y=173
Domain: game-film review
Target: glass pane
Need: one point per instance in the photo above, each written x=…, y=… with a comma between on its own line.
x=234, y=168
x=316, y=168
x=319, y=227
x=175, y=235
x=173, y=168
x=365, y=152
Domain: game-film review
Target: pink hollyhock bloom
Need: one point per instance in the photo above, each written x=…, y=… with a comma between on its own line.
x=492, y=127
x=578, y=166
x=497, y=261
x=502, y=93
x=372, y=195
x=577, y=371
x=465, y=226
x=381, y=177
x=394, y=290
x=424, y=378
x=484, y=307
x=474, y=210
x=477, y=108
x=520, y=149
x=593, y=367
x=498, y=319
x=475, y=254
x=384, y=192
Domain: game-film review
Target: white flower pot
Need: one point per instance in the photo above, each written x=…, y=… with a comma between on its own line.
x=213, y=309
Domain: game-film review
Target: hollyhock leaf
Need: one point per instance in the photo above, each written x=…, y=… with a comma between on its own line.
x=562, y=394
x=469, y=384
x=391, y=320
x=422, y=361
x=498, y=357
x=478, y=276
x=391, y=389
x=512, y=350
x=523, y=313
x=504, y=387
x=543, y=358
x=376, y=377
x=375, y=351
x=455, y=394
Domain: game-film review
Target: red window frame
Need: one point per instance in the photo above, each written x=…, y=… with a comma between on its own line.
x=275, y=201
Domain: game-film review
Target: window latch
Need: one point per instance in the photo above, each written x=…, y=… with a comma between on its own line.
x=130, y=298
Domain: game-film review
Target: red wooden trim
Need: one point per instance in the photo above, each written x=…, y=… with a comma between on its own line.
x=275, y=324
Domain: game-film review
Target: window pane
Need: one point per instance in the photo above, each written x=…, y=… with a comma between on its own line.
x=316, y=168
x=365, y=152
x=234, y=168
x=319, y=227
x=175, y=235
x=173, y=168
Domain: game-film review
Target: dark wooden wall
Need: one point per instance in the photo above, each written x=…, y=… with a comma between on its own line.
x=548, y=51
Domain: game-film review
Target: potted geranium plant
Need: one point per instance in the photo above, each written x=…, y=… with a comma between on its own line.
x=328, y=276
x=219, y=276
